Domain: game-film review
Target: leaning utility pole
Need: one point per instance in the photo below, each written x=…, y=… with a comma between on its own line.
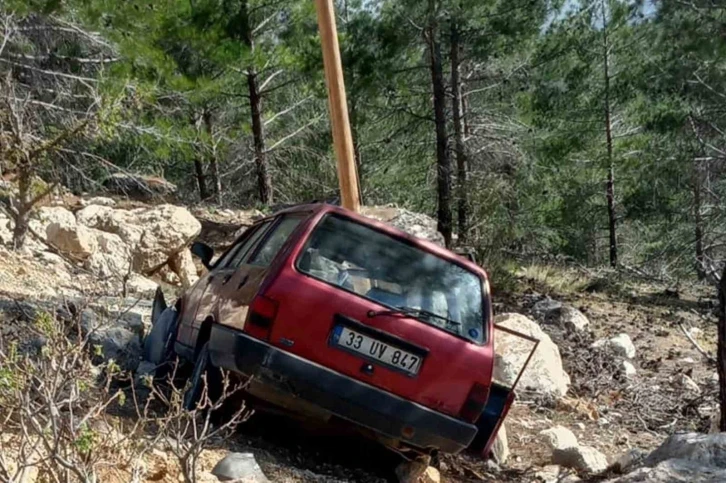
x=342, y=137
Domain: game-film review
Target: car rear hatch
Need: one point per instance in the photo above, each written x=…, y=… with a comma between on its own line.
x=405, y=317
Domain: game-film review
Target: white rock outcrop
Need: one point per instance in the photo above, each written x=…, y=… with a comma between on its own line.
x=154, y=236
x=544, y=375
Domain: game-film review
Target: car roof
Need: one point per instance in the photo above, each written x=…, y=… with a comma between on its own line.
x=431, y=247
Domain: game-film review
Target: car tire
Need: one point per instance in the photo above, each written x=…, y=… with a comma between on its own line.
x=159, y=344
x=195, y=388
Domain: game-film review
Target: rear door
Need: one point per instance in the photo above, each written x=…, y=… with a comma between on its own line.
x=251, y=268
x=201, y=298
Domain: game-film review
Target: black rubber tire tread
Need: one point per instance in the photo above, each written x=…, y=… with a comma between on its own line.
x=158, y=343
x=202, y=365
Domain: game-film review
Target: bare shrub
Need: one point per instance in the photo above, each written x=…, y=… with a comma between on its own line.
x=63, y=419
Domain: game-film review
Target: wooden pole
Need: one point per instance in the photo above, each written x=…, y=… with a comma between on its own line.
x=342, y=137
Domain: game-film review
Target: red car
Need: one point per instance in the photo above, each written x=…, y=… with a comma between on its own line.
x=338, y=315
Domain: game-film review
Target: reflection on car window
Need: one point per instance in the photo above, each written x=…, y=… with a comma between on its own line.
x=395, y=274
x=225, y=258
x=248, y=246
x=274, y=242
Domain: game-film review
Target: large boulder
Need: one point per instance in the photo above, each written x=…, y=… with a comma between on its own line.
x=704, y=449
x=76, y=240
x=182, y=264
x=113, y=257
x=45, y=215
x=119, y=222
x=544, y=375
x=141, y=286
x=168, y=229
x=675, y=471
x=154, y=235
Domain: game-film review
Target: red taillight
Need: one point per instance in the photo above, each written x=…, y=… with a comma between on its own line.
x=262, y=314
x=475, y=403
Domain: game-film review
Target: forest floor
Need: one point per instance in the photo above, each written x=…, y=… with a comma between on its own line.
x=604, y=409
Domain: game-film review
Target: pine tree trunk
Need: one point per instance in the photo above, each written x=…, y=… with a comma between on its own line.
x=199, y=166
x=356, y=144
x=443, y=163
x=610, y=185
x=698, y=221
x=201, y=179
x=721, y=347
x=213, y=165
x=456, y=108
x=264, y=182
x=22, y=215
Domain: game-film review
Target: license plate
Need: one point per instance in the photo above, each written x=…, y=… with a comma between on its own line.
x=374, y=349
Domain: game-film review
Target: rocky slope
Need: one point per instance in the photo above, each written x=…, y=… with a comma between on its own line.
x=613, y=375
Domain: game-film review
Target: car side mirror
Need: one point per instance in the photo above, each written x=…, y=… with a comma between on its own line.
x=204, y=252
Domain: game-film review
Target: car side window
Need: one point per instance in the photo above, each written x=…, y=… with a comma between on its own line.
x=225, y=258
x=274, y=242
x=249, y=245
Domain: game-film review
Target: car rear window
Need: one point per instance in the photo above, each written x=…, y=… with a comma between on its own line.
x=395, y=274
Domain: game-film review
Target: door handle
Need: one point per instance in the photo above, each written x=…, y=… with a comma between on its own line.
x=226, y=279
x=243, y=282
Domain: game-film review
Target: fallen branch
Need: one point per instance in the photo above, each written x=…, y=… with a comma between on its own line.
x=705, y=354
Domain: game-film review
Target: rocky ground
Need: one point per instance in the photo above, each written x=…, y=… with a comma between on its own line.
x=622, y=364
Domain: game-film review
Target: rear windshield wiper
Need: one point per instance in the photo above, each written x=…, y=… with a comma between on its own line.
x=412, y=311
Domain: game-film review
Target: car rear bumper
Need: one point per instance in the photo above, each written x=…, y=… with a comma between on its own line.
x=343, y=396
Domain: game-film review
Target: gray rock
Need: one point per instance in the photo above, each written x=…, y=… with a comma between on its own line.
x=580, y=458
x=573, y=320
x=687, y=384
x=239, y=466
x=629, y=369
x=545, y=307
x=629, y=460
x=119, y=344
x=704, y=449
x=558, y=437
x=621, y=345
x=675, y=471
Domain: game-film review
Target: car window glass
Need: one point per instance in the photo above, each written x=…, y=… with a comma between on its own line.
x=275, y=241
x=225, y=258
x=248, y=246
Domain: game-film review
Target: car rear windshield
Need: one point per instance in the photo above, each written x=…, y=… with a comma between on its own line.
x=395, y=274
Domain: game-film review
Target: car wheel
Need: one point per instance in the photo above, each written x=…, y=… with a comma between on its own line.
x=195, y=388
x=159, y=344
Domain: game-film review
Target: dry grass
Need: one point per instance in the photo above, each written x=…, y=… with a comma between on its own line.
x=550, y=278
